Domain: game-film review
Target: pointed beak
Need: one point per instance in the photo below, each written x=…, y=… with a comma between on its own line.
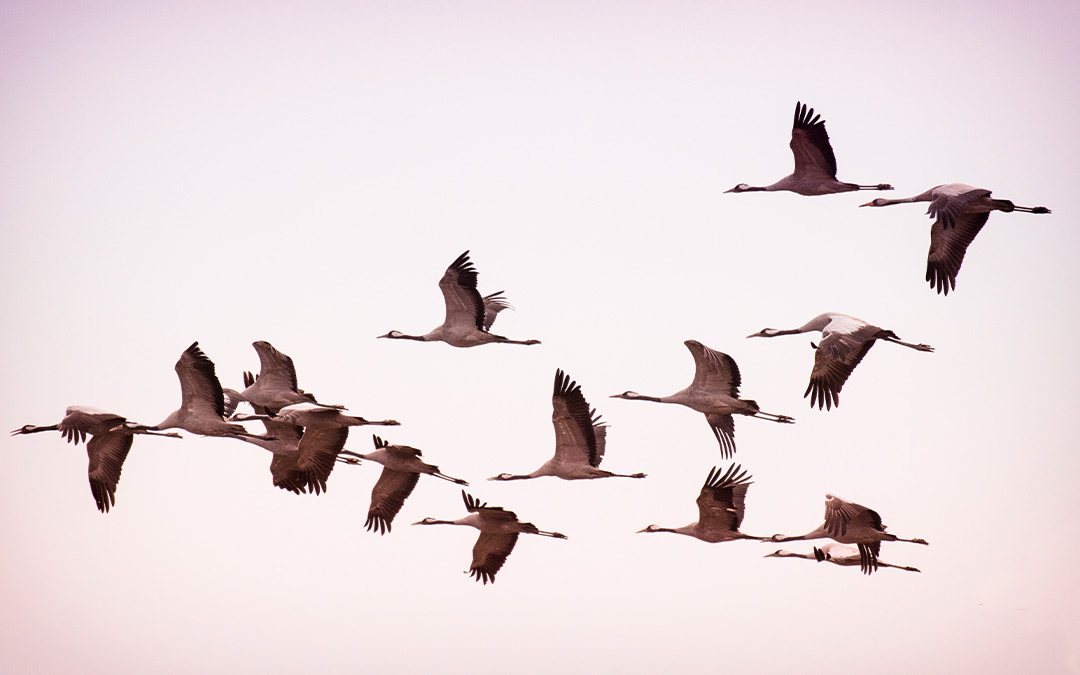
x=867, y=204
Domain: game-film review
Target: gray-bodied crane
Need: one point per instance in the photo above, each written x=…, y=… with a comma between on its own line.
x=111, y=437
x=468, y=316
x=721, y=505
x=845, y=340
x=815, y=163
x=850, y=523
x=499, y=530
x=959, y=212
x=714, y=392
x=580, y=438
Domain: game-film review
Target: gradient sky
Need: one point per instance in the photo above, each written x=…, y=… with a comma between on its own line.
x=303, y=173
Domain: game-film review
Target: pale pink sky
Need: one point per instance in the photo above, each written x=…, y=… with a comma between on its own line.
x=303, y=173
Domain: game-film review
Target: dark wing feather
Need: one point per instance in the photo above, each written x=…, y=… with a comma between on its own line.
x=473, y=505
x=276, y=369
x=868, y=557
x=463, y=301
x=723, y=427
x=490, y=553
x=493, y=304
x=285, y=470
x=79, y=421
x=714, y=371
x=387, y=498
x=834, y=360
x=810, y=144
x=319, y=449
x=839, y=514
x=580, y=436
x=200, y=388
x=947, y=208
x=947, y=249
x=107, y=453
x=722, y=500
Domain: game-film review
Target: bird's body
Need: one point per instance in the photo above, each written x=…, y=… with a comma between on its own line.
x=845, y=340
x=959, y=212
x=815, y=163
x=714, y=392
x=499, y=530
x=721, y=505
x=580, y=438
x=111, y=437
x=302, y=459
x=315, y=415
x=468, y=315
x=402, y=467
x=202, y=408
x=850, y=523
x=837, y=554
x=276, y=385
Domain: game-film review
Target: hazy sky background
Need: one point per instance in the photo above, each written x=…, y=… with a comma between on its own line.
x=303, y=173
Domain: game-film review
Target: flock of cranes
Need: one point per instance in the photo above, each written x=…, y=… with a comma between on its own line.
x=307, y=438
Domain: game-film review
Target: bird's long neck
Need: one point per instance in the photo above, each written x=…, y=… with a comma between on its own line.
x=31, y=429
x=818, y=533
x=170, y=422
x=922, y=197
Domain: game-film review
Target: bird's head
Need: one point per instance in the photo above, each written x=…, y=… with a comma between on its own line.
x=781, y=553
x=777, y=538
x=631, y=395
x=391, y=334
x=764, y=332
x=428, y=521
x=503, y=476
x=25, y=429
x=651, y=528
x=877, y=202
x=742, y=187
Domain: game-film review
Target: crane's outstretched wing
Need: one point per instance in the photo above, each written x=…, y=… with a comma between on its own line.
x=834, y=360
x=319, y=450
x=490, y=553
x=714, y=371
x=722, y=500
x=493, y=304
x=951, y=201
x=387, y=498
x=723, y=427
x=580, y=436
x=810, y=144
x=107, y=453
x=200, y=389
x=948, y=246
x=464, y=306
